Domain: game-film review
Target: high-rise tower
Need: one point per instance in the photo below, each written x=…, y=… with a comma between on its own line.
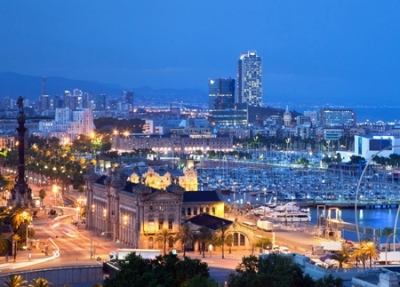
x=250, y=79
x=221, y=94
x=44, y=89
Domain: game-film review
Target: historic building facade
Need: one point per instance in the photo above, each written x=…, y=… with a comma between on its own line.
x=135, y=212
x=188, y=181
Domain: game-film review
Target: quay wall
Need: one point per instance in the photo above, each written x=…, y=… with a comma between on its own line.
x=377, y=204
x=61, y=275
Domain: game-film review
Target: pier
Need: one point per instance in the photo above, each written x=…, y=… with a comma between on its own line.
x=370, y=204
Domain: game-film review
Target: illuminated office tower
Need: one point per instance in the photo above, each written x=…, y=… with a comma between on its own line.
x=250, y=79
x=221, y=94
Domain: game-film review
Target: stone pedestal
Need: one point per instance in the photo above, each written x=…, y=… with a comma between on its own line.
x=21, y=194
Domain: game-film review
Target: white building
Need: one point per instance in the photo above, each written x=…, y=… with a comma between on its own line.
x=369, y=145
x=63, y=115
x=68, y=125
x=85, y=118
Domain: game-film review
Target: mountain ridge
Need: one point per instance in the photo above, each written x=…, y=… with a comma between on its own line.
x=14, y=85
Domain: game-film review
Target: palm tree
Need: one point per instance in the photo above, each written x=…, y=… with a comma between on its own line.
x=343, y=256
x=229, y=242
x=203, y=236
x=370, y=251
x=4, y=243
x=163, y=237
x=40, y=282
x=42, y=195
x=20, y=216
x=14, y=281
x=358, y=256
x=387, y=231
x=221, y=231
x=184, y=235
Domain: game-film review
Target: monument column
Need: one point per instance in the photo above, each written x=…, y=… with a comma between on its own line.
x=21, y=193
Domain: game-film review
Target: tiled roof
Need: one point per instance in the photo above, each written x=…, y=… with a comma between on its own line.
x=210, y=221
x=202, y=196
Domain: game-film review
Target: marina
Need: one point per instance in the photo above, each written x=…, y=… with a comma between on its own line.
x=264, y=190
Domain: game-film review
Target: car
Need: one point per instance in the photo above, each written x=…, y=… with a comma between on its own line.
x=284, y=250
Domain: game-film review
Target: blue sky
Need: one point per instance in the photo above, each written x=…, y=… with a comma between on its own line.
x=312, y=50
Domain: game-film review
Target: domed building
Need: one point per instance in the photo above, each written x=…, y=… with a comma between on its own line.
x=287, y=117
x=135, y=209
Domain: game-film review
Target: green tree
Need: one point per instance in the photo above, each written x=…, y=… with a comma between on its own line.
x=164, y=271
x=42, y=195
x=189, y=268
x=329, y=281
x=229, y=242
x=263, y=242
x=184, y=235
x=343, y=256
x=163, y=236
x=19, y=217
x=359, y=256
x=387, y=231
x=203, y=236
x=221, y=233
x=14, y=281
x=134, y=272
x=199, y=281
x=355, y=159
x=303, y=161
x=40, y=282
x=273, y=271
x=4, y=243
x=370, y=251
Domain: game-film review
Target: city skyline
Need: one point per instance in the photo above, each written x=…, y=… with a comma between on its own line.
x=314, y=51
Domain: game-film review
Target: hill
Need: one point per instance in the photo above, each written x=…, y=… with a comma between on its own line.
x=30, y=87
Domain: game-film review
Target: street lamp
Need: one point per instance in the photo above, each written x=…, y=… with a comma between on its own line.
x=55, y=190
x=27, y=239
x=265, y=196
x=287, y=148
x=125, y=221
x=91, y=232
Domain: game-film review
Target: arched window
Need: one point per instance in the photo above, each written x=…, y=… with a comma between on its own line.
x=183, y=211
x=189, y=211
x=151, y=243
x=195, y=211
x=235, y=239
x=242, y=240
x=213, y=210
x=207, y=210
x=170, y=242
x=201, y=210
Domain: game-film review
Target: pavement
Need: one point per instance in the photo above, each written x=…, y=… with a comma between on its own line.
x=64, y=248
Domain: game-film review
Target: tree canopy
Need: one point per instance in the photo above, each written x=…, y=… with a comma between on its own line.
x=167, y=270
x=275, y=271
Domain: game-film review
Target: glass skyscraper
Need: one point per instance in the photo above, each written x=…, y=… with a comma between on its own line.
x=221, y=94
x=250, y=79
x=222, y=107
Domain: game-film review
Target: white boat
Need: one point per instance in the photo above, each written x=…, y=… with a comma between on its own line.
x=289, y=212
x=294, y=216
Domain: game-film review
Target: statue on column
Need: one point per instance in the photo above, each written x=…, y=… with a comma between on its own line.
x=20, y=104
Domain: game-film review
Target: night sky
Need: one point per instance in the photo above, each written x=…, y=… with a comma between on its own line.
x=311, y=50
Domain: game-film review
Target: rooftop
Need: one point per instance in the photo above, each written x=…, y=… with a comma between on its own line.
x=210, y=221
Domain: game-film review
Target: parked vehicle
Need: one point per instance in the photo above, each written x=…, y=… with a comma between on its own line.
x=332, y=245
x=265, y=225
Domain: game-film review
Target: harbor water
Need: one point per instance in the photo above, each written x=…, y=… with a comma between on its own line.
x=373, y=218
